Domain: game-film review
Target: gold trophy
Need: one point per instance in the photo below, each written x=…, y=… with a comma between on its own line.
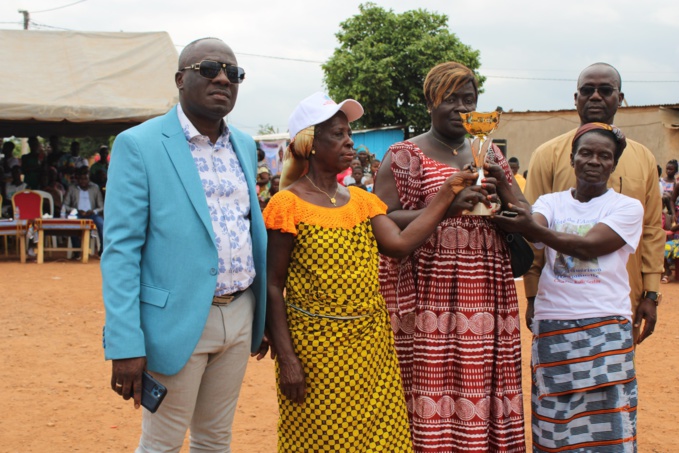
x=480, y=125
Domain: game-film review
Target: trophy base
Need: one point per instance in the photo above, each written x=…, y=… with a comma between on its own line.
x=481, y=209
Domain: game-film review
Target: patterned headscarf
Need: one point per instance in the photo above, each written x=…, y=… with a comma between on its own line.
x=616, y=133
x=296, y=158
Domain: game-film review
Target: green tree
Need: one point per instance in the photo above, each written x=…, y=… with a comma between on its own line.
x=383, y=59
x=266, y=129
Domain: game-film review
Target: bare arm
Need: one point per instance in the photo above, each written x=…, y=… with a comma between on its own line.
x=385, y=188
x=530, y=312
x=393, y=241
x=291, y=370
x=600, y=240
x=509, y=194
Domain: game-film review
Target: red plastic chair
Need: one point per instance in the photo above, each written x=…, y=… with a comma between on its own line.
x=26, y=205
x=29, y=204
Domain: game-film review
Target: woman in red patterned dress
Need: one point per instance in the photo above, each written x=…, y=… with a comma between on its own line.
x=453, y=302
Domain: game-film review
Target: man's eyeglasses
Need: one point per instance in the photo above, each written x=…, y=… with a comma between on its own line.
x=210, y=69
x=604, y=91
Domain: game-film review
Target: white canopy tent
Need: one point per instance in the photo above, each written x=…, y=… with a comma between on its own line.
x=71, y=83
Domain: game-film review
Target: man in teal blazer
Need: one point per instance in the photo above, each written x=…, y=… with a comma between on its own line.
x=184, y=259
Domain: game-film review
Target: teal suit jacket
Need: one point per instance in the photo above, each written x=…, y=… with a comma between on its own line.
x=160, y=261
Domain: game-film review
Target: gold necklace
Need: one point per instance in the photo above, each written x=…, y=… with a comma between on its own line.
x=448, y=146
x=332, y=199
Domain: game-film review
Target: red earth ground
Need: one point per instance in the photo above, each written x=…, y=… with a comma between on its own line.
x=54, y=382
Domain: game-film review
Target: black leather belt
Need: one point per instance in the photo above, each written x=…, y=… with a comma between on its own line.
x=226, y=299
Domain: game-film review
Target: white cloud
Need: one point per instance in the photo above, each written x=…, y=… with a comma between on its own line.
x=667, y=16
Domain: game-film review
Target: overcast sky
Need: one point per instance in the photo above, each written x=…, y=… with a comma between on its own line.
x=531, y=51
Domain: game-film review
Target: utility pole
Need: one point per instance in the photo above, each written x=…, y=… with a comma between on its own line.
x=27, y=18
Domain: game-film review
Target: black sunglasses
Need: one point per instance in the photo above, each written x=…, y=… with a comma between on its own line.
x=210, y=69
x=604, y=91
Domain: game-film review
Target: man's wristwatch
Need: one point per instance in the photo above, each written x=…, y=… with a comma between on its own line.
x=654, y=296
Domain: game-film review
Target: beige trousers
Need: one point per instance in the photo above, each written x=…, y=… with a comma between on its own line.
x=203, y=395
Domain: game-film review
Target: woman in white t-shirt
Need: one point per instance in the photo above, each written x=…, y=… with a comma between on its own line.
x=584, y=392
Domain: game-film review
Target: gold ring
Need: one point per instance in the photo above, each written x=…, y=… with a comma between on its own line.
x=118, y=384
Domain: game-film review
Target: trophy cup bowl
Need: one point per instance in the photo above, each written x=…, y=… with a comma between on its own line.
x=480, y=125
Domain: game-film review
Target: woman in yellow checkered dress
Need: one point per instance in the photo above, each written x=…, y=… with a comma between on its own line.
x=336, y=369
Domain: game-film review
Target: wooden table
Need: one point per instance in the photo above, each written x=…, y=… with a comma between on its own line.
x=17, y=228
x=64, y=227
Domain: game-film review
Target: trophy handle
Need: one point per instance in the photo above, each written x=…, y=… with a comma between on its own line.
x=484, y=143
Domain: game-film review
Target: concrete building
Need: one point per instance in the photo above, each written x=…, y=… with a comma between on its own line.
x=655, y=126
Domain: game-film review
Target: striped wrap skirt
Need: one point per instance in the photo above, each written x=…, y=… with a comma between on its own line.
x=584, y=389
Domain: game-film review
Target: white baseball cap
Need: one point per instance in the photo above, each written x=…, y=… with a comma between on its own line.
x=319, y=107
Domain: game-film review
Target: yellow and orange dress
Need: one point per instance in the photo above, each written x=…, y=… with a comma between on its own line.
x=340, y=331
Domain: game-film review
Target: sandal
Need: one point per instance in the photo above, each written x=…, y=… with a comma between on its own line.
x=664, y=279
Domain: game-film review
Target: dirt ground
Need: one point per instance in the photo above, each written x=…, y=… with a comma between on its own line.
x=54, y=382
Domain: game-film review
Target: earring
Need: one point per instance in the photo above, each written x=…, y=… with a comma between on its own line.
x=313, y=151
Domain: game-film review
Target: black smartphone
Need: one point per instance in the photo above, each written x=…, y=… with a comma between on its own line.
x=509, y=214
x=153, y=392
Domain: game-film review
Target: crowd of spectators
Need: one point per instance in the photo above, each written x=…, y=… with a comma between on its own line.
x=46, y=167
x=361, y=174
x=669, y=189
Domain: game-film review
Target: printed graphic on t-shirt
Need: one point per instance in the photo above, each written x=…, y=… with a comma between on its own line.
x=571, y=268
